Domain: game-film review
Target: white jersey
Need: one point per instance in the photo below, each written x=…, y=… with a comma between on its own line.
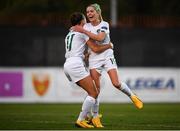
x=74, y=68
x=75, y=44
x=102, y=27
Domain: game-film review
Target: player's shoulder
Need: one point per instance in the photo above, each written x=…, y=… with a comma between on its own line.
x=76, y=34
x=80, y=35
x=104, y=23
x=87, y=25
x=71, y=32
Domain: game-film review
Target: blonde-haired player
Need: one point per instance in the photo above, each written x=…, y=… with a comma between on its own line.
x=98, y=30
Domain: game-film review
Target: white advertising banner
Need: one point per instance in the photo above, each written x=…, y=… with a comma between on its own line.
x=44, y=85
x=35, y=85
x=152, y=85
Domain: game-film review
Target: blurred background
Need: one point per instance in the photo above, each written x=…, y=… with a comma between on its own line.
x=145, y=33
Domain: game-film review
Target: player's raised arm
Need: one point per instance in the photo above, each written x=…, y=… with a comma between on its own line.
x=98, y=48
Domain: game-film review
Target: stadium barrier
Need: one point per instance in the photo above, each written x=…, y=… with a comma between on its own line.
x=50, y=85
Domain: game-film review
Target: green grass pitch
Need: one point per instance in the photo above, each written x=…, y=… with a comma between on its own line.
x=63, y=116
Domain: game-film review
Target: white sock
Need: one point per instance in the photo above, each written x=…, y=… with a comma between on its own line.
x=86, y=107
x=125, y=89
x=95, y=108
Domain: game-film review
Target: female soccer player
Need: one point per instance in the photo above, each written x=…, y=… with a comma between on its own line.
x=98, y=30
x=74, y=67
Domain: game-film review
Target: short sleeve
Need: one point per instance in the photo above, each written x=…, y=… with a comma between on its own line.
x=105, y=27
x=87, y=26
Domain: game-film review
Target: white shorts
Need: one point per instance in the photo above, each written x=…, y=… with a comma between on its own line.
x=75, y=70
x=107, y=64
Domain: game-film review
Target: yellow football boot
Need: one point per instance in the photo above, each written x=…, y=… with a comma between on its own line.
x=89, y=118
x=83, y=124
x=137, y=102
x=97, y=122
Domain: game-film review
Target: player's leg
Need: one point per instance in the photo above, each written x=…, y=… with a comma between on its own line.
x=88, y=85
x=111, y=68
x=95, y=109
x=116, y=83
x=76, y=72
x=96, y=77
x=124, y=88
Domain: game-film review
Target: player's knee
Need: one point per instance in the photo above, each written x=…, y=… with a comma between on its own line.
x=94, y=94
x=117, y=85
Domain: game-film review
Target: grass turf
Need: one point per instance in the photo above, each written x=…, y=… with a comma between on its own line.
x=63, y=116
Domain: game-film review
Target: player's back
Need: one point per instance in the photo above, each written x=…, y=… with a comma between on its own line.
x=75, y=44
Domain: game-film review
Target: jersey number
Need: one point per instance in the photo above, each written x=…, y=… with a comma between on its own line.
x=69, y=41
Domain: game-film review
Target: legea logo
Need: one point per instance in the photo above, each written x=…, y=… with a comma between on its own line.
x=151, y=83
x=41, y=83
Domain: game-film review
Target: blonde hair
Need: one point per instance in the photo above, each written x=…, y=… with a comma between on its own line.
x=97, y=9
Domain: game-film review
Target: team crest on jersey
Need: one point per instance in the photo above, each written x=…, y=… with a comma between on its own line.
x=41, y=83
x=98, y=30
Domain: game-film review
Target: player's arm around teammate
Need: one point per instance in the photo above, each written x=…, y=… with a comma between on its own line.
x=97, y=37
x=98, y=48
x=99, y=31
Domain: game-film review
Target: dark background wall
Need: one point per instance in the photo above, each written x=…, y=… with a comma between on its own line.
x=146, y=33
x=147, y=47
x=44, y=46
